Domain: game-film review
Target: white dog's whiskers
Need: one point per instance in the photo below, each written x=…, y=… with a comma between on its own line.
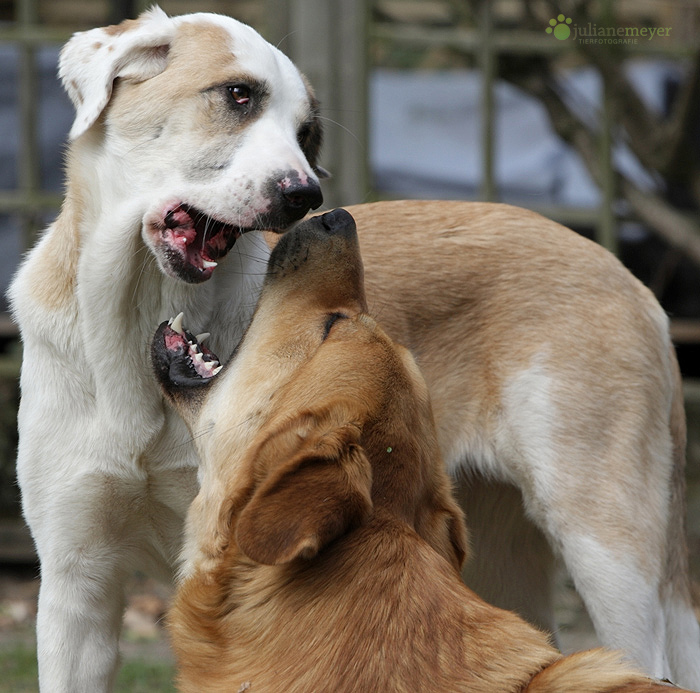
x=342, y=127
x=148, y=261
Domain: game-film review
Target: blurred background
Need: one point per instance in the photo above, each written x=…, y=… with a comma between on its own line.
x=587, y=111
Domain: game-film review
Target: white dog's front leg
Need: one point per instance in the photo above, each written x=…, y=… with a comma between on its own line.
x=78, y=625
x=90, y=535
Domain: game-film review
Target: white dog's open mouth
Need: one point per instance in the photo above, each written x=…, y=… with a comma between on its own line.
x=190, y=243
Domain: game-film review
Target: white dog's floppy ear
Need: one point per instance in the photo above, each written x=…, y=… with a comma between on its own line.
x=92, y=60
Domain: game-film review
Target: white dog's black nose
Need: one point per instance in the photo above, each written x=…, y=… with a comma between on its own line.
x=302, y=196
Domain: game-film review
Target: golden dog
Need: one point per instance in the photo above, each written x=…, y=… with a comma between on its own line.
x=323, y=550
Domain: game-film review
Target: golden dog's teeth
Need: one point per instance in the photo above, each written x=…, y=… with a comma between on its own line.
x=201, y=337
x=176, y=325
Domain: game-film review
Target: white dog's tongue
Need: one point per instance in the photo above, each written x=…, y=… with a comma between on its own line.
x=201, y=239
x=181, y=225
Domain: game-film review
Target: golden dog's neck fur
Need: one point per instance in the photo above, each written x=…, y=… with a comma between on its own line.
x=402, y=624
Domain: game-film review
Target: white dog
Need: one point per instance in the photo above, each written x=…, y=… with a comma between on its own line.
x=550, y=367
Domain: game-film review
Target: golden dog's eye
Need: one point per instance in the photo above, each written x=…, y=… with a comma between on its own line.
x=240, y=93
x=331, y=320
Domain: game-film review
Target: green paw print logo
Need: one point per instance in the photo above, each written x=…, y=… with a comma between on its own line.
x=559, y=27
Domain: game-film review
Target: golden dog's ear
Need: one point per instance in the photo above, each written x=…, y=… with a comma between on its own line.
x=92, y=60
x=307, y=499
x=441, y=523
x=458, y=546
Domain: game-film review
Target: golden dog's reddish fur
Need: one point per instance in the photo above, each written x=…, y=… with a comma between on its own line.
x=323, y=551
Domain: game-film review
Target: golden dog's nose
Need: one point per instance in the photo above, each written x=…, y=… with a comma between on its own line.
x=338, y=221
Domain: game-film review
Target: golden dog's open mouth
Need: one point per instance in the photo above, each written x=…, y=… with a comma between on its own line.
x=194, y=242
x=180, y=358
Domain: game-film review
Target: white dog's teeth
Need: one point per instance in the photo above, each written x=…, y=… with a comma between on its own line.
x=176, y=325
x=201, y=337
x=198, y=358
x=207, y=264
x=216, y=370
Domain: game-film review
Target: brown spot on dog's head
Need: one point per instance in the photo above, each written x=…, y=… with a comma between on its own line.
x=92, y=60
x=122, y=27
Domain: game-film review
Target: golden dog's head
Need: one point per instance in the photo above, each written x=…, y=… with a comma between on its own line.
x=318, y=418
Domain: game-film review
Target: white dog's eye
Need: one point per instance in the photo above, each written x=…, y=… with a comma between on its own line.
x=240, y=93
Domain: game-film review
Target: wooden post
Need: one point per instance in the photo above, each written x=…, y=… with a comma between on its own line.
x=28, y=150
x=487, y=64
x=607, y=223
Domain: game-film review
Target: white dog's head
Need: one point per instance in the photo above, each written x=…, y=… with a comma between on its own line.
x=213, y=129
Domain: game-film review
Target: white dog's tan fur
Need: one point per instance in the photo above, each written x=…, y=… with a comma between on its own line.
x=550, y=366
